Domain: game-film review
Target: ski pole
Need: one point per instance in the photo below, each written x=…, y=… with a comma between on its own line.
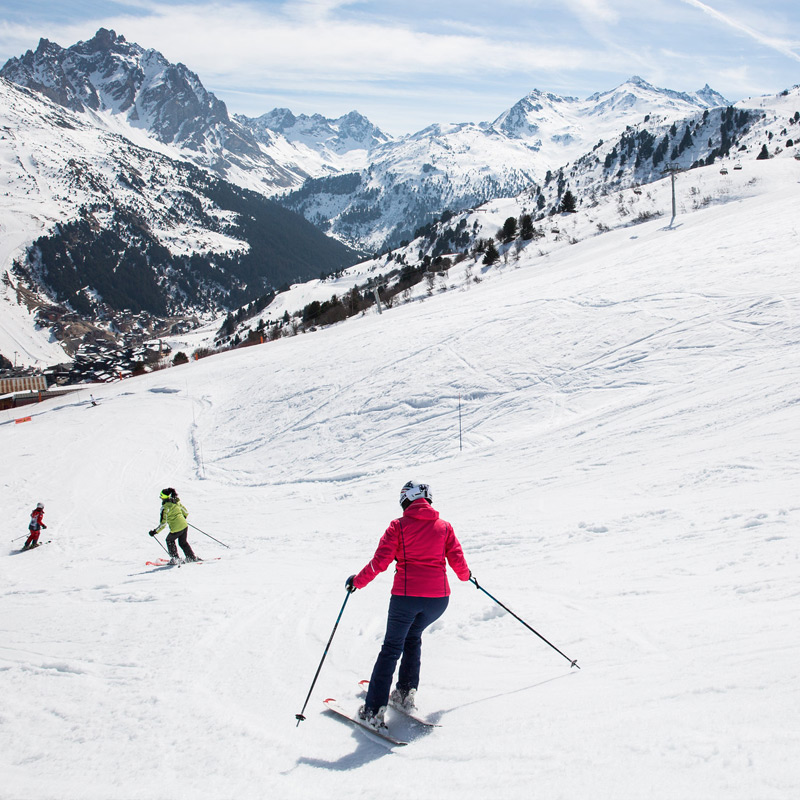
x=24, y=535
x=162, y=546
x=299, y=717
x=206, y=534
x=573, y=663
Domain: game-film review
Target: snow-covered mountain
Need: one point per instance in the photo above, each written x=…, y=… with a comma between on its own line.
x=127, y=88
x=392, y=187
x=627, y=168
x=92, y=223
x=546, y=120
x=113, y=81
x=317, y=145
x=414, y=179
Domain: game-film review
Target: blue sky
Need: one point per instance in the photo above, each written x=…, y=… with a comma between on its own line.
x=408, y=63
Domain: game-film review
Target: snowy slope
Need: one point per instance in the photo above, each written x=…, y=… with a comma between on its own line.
x=627, y=484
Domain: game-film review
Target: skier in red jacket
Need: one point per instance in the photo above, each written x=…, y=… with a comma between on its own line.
x=35, y=527
x=420, y=542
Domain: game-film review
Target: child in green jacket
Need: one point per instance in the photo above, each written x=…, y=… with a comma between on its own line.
x=173, y=514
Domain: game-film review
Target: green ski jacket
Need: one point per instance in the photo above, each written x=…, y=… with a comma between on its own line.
x=174, y=515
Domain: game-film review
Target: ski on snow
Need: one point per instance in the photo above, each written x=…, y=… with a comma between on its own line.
x=410, y=714
x=333, y=706
x=25, y=549
x=164, y=562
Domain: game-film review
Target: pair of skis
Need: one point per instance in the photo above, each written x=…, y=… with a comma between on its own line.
x=165, y=562
x=38, y=544
x=333, y=706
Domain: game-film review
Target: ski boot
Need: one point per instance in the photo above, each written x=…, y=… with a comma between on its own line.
x=404, y=700
x=373, y=718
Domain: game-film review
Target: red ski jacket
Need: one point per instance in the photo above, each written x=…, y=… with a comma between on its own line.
x=420, y=542
x=36, y=519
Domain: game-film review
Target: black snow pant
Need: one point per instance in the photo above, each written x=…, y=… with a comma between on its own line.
x=180, y=536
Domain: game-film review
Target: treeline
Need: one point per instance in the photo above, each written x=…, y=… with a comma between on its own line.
x=714, y=134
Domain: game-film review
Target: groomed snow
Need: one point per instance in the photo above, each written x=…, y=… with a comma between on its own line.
x=627, y=484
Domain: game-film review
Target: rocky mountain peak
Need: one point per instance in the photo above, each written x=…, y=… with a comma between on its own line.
x=104, y=39
x=351, y=131
x=279, y=119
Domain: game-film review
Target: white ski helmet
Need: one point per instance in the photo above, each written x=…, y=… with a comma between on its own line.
x=414, y=491
x=40, y=505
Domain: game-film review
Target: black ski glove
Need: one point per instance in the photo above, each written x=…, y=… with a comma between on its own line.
x=348, y=584
x=153, y=533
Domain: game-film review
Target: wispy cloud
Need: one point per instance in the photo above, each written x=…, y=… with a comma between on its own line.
x=310, y=38
x=779, y=45
x=594, y=9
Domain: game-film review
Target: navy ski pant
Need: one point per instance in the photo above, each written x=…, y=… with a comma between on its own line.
x=408, y=617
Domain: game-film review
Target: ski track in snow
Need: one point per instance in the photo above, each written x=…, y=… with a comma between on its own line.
x=627, y=485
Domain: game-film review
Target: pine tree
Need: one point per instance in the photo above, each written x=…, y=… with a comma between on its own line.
x=569, y=205
x=687, y=140
x=509, y=229
x=526, y=231
x=491, y=255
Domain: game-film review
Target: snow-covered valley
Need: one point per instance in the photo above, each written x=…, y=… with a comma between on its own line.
x=626, y=482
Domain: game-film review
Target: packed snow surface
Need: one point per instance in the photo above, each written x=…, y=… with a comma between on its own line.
x=626, y=481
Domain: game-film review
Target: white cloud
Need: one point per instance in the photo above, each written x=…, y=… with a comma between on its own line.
x=779, y=45
x=596, y=10
x=308, y=39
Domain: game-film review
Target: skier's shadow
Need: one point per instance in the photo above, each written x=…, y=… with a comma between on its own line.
x=365, y=753
x=367, y=750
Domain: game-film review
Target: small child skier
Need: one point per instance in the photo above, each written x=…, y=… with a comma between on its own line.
x=35, y=527
x=173, y=514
